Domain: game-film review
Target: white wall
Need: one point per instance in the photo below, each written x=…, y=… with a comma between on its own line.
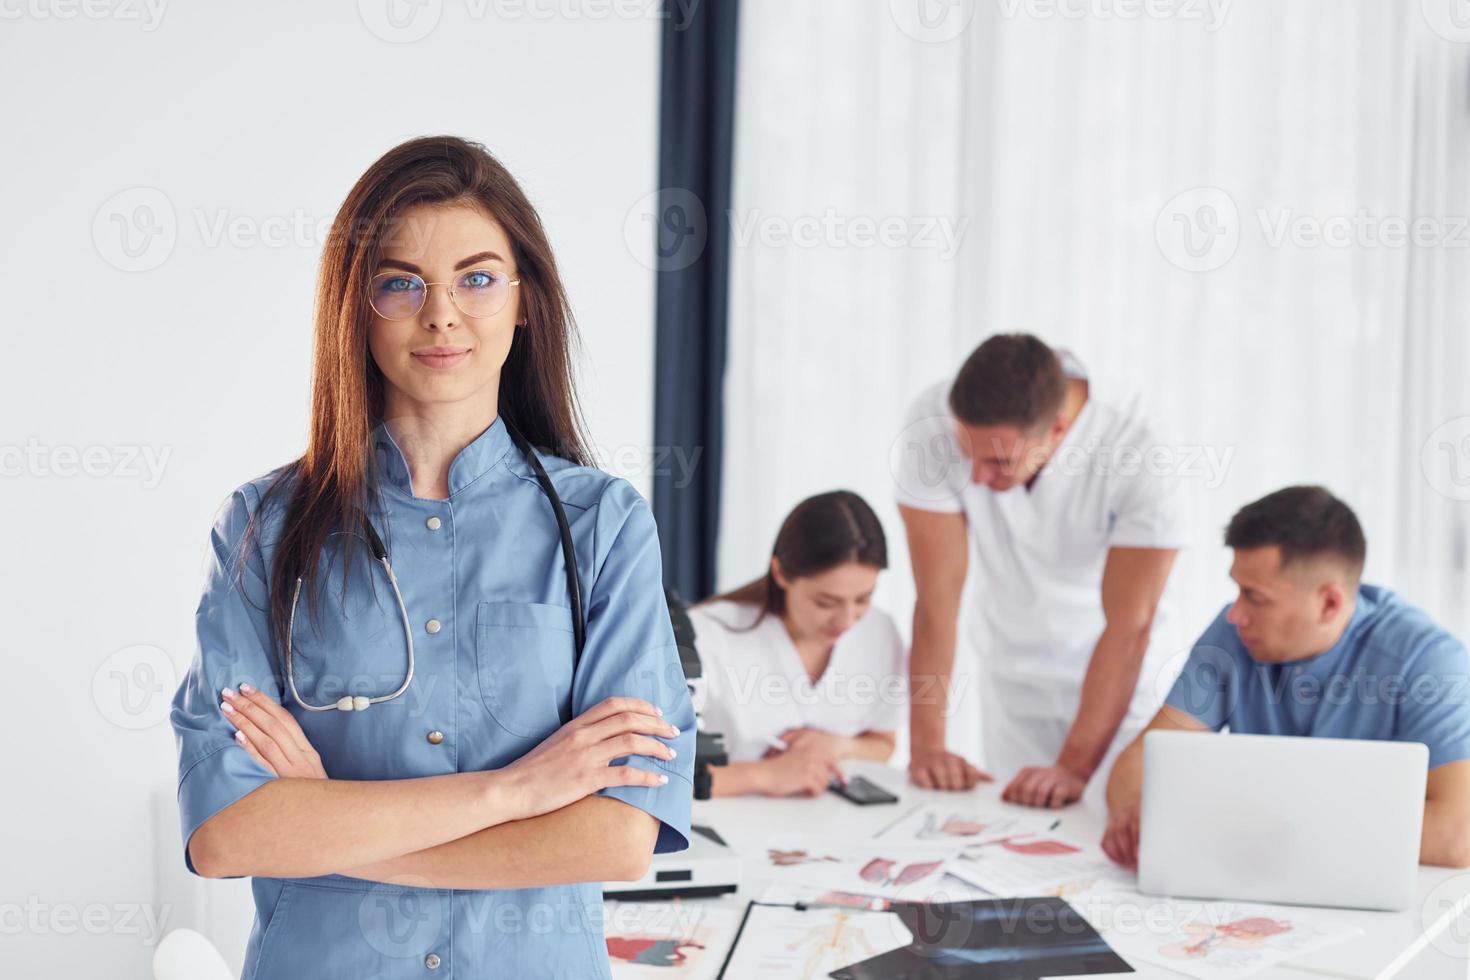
x=260, y=116
x=903, y=189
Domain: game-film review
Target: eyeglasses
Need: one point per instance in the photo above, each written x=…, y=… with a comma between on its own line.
x=477, y=293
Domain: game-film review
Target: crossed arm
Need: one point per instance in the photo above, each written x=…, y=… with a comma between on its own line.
x=532, y=823
x=553, y=849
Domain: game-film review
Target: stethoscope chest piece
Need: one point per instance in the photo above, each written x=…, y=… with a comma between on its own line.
x=380, y=555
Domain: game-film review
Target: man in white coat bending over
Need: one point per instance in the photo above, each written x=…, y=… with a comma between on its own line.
x=1075, y=512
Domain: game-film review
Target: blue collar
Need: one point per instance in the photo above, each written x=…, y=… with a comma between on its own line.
x=468, y=465
x=1331, y=661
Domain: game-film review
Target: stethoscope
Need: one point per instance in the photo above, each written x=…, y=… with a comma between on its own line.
x=380, y=554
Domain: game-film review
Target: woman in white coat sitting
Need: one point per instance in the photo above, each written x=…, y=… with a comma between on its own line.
x=801, y=671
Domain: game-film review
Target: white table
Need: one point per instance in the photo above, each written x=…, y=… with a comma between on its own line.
x=1431, y=940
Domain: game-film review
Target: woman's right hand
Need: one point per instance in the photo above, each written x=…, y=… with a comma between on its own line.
x=572, y=763
x=801, y=770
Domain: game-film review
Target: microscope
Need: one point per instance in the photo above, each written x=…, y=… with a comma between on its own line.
x=708, y=866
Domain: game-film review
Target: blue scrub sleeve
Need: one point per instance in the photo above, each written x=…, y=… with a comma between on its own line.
x=233, y=646
x=1209, y=685
x=1435, y=708
x=630, y=652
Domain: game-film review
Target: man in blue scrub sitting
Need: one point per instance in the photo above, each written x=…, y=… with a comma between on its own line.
x=1306, y=649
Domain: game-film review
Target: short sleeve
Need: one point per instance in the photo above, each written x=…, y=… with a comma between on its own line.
x=631, y=652
x=930, y=469
x=891, y=710
x=1435, y=709
x=232, y=645
x=1208, y=687
x=1151, y=507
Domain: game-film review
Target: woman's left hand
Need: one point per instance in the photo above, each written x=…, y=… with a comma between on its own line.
x=271, y=734
x=828, y=743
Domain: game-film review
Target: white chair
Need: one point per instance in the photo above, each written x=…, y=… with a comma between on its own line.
x=186, y=955
x=220, y=913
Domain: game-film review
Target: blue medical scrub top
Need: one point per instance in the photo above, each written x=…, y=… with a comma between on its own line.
x=1393, y=675
x=482, y=578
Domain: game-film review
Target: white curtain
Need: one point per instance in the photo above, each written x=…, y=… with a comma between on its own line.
x=1211, y=199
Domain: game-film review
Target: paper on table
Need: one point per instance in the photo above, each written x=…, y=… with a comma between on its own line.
x=670, y=940
x=779, y=942
x=1209, y=940
x=930, y=825
x=1045, y=864
x=794, y=893
x=860, y=867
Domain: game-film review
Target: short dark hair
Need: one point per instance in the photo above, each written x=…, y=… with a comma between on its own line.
x=1304, y=522
x=1011, y=379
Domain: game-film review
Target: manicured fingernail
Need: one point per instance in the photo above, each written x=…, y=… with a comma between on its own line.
x=246, y=688
x=662, y=779
x=240, y=737
x=227, y=707
x=658, y=711
x=227, y=692
x=673, y=753
x=674, y=730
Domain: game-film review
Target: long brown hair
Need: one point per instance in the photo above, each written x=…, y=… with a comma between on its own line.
x=820, y=533
x=332, y=485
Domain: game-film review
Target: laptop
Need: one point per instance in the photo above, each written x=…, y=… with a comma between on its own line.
x=1271, y=818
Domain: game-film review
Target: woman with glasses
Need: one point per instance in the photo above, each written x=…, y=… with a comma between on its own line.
x=436, y=699
x=801, y=671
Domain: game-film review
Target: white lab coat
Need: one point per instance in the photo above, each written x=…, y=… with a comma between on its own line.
x=1037, y=557
x=756, y=686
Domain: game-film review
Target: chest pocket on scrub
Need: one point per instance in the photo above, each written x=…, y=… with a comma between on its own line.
x=524, y=653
